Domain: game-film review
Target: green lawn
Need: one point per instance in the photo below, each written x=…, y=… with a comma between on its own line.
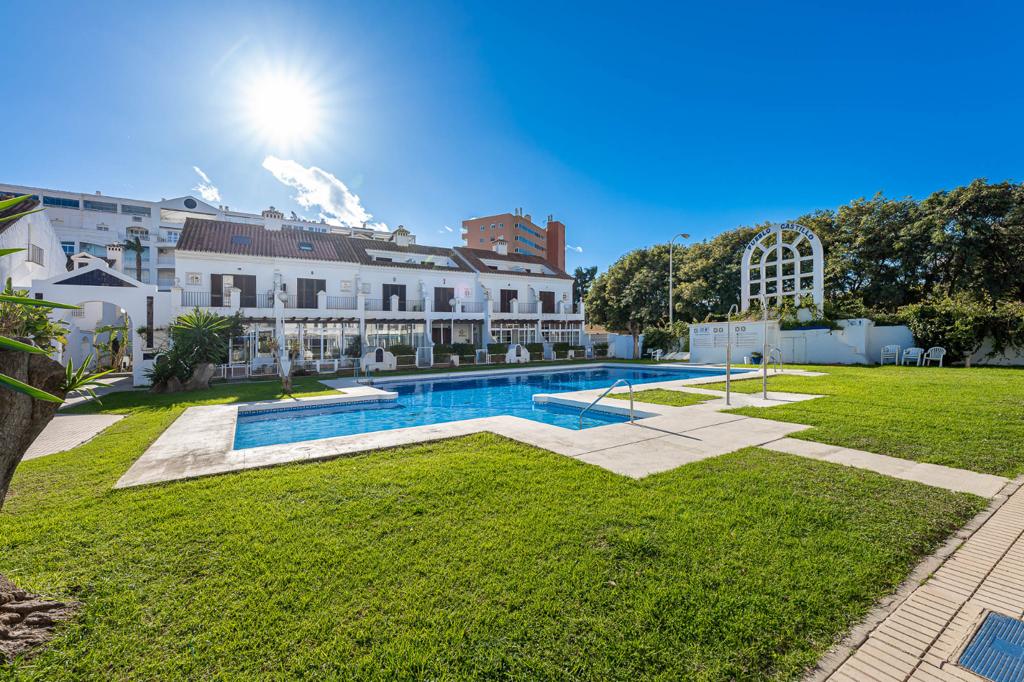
x=661, y=396
x=467, y=558
x=967, y=418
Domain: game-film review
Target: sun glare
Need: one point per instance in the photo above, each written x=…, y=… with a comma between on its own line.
x=284, y=109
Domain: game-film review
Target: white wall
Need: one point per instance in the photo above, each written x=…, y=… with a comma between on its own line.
x=1008, y=358
x=34, y=229
x=858, y=342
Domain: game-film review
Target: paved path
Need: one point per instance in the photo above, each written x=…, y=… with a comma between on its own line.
x=960, y=480
x=67, y=431
x=922, y=637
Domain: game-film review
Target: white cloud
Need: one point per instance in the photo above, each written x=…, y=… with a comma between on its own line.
x=205, y=188
x=321, y=190
x=577, y=249
x=444, y=229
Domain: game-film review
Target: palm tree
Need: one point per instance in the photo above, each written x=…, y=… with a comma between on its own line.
x=34, y=384
x=136, y=246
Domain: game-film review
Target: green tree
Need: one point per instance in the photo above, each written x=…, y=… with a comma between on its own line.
x=632, y=294
x=582, y=278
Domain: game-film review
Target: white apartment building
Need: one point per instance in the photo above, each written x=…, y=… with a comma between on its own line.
x=331, y=290
x=89, y=223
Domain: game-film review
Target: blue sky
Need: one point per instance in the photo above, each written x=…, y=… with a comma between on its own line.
x=629, y=123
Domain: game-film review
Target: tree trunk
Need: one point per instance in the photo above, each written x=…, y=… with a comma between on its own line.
x=24, y=417
x=138, y=265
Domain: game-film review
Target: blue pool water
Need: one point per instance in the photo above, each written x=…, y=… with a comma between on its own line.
x=444, y=400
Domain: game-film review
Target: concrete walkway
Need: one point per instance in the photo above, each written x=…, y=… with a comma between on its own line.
x=959, y=480
x=68, y=431
x=920, y=635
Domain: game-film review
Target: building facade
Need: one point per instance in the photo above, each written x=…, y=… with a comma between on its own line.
x=89, y=223
x=337, y=294
x=524, y=237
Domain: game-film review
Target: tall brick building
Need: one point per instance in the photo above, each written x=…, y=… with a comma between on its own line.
x=522, y=234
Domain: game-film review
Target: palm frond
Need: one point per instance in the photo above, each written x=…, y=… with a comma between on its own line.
x=39, y=303
x=12, y=344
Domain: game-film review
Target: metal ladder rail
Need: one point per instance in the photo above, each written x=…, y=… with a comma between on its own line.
x=776, y=353
x=606, y=392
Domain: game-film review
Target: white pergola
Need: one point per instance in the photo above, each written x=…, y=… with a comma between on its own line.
x=783, y=261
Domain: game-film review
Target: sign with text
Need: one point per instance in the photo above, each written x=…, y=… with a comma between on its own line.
x=708, y=340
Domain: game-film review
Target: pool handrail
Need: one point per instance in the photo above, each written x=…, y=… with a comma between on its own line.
x=606, y=392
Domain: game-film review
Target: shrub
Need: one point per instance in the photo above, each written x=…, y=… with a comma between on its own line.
x=958, y=325
x=463, y=349
x=560, y=347
x=667, y=338
x=401, y=349
x=497, y=348
x=534, y=347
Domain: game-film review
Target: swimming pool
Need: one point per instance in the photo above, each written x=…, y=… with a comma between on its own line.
x=424, y=401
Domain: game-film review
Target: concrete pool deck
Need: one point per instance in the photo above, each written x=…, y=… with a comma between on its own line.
x=201, y=441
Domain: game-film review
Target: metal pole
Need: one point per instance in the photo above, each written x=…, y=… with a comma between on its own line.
x=764, y=349
x=671, y=308
x=728, y=354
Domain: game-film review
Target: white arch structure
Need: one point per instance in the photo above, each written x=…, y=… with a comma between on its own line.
x=783, y=260
x=99, y=282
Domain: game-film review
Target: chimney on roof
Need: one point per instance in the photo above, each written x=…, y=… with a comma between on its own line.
x=501, y=246
x=401, y=236
x=529, y=218
x=272, y=213
x=97, y=191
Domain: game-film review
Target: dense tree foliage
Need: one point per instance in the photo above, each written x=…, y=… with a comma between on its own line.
x=582, y=278
x=880, y=254
x=633, y=294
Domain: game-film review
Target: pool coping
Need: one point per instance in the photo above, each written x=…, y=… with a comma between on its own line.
x=200, y=442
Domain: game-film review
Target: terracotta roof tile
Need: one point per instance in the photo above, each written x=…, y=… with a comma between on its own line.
x=474, y=256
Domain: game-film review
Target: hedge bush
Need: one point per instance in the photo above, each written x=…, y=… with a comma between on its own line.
x=961, y=324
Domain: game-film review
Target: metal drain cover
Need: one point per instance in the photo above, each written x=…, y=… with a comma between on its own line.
x=997, y=650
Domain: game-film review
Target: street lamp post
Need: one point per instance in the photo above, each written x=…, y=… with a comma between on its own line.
x=735, y=309
x=671, y=272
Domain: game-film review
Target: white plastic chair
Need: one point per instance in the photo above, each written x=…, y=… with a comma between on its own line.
x=655, y=354
x=890, y=352
x=913, y=354
x=934, y=354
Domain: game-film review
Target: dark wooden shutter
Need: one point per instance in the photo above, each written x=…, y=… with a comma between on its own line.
x=442, y=296
x=547, y=301
x=216, y=290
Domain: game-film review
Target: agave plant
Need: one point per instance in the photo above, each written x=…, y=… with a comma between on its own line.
x=81, y=380
x=199, y=334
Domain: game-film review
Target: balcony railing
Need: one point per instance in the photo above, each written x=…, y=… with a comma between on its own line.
x=473, y=306
x=195, y=299
x=384, y=304
x=265, y=300
x=528, y=308
x=342, y=302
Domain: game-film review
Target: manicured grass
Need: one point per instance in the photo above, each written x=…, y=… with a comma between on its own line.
x=661, y=396
x=966, y=418
x=467, y=558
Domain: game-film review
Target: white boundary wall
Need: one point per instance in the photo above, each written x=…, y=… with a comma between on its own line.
x=858, y=342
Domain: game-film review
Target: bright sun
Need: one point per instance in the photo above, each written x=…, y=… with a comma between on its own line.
x=283, y=108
